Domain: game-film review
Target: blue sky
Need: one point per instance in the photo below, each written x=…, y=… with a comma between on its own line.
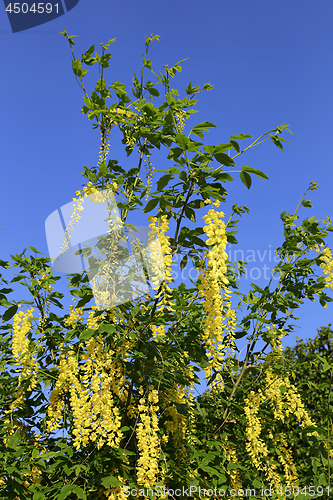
x=269, y=63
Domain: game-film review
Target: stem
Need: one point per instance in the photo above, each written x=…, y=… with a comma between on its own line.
x=250, y=146
x=189, y=194
x=124, y=215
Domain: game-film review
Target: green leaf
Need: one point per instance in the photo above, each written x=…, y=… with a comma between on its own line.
x=307, y=203
x=254, y=171
x=204, y=126
x=232, y=466
x=183, y=262
x=65, y=491
x=135, y=310
x=208, y=86
x=276, y=141
x=38, y=496
x=246, y=179
x=224, y=159
x=191, y=90
x=190, y=214
x=86, y=334
x=9, y=313
x=109, y=329
x=88, y=53
x=150, y=205
x=326, y=366
x=163, y=181
x=14, y=439
x=77, y=68
x=153, y=92
x=284, y=126
x=210, y=148
x=182, y=141
x=235, y=146
x=110, y=481
x=174, y=153
x=79, y=492
x=241, y=136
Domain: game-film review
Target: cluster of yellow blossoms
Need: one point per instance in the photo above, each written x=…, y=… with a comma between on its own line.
x=121, y=116
x=231, y=456
x=327, y=265
x=104, y=147
x=180, y=119
x=220, y=323
x=21, y=347
x=282, y=405
x=75, y=217
x=148, y=441
x=75, y=315
x=177, y=425
x=96, y=197
x=160, y=225
x=91, y=389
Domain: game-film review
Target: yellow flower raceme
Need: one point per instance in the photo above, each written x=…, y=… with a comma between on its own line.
x=20, y=348
x=75, y=217
x=161, y=225
x=231, y=456
x=327, y=267
x=220, y=322
x=21, y=326
x=90, y=189
x=92, y=388
x=282, y=403
x=75, y=315
x=148, y=441
x=178, y=424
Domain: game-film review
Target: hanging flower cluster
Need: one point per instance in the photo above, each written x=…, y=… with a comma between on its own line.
x=75, y=315
x=220, y=322
x=105, y=146
x=161, y=226
x=121, y=116
x=91, y=389
x=21, y=348
x=90, y=189
x=327, y=265
x=231, y=456
x=75, y=217
x=283, y=402
x=148, y=441
x=285, y=458
x=178, y=424
x=180, y=119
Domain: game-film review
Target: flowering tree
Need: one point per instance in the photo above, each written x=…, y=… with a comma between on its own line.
x=103, y=394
